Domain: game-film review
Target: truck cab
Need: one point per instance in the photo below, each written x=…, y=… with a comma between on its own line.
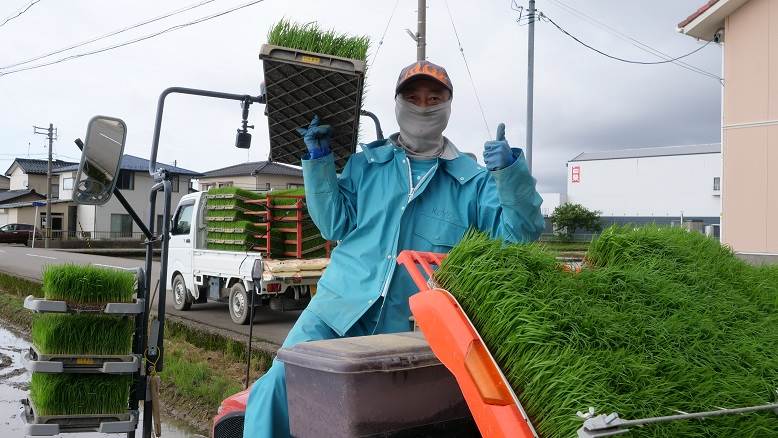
x=200, y=275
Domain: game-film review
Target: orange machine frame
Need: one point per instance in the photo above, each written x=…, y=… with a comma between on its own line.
x=457, y=344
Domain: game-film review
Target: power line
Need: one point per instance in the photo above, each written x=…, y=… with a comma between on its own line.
x=136, y=40
x=637, y=43
x=467, y=66
x=107, y=35
x=386, y=29
x=18, y=14
x=629, y=61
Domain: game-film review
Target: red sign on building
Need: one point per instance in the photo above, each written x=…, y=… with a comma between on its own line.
x=576, y=174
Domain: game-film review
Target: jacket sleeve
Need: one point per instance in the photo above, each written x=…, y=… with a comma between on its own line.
x=509, y=205
x=331, y=199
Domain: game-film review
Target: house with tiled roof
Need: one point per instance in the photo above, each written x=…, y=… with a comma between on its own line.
x=5, y=183
x=256, y=175
x=73, y=221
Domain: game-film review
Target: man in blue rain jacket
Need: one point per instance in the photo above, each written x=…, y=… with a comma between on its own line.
x=414, y=191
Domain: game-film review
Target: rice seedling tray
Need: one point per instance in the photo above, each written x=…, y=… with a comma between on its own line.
x=300, y=84
x=48, y=425
x=41, y=305
x=37, y=362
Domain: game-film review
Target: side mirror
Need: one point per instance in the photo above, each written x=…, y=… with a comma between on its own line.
x=256, y=272
x=100, y=159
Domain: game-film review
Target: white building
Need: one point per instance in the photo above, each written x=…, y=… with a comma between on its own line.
x=657, y=184
x=551, y=200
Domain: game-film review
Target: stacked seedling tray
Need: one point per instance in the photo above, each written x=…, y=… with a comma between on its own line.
x=291, y=232
x=311, y=71
x=233, y=222
x=82, y=359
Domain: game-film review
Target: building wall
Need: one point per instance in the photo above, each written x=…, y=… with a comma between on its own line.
x=247, y=182
x=648, y=187
x=64, y=191
x=18, y=179
x=550, y=202
x=139, y=200
x=750, y=131
x=5, y=183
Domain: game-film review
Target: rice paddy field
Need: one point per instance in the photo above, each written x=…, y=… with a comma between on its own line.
x=659, y=320
x=86, y=284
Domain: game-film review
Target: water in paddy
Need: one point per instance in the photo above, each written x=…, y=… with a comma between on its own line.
x=14, y=384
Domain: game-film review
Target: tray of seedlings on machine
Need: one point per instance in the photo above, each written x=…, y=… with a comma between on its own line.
x=310, y=71
x=81, y=358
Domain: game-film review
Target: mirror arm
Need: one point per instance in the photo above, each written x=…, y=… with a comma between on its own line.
x=193, y=92
x=122, y=200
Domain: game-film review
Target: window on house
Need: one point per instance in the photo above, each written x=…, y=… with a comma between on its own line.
x=55, y=191
x=206, y=187
x=267, y=186
x=293, y=185
x=125, y=180
x=717, y=183
x=225, y=184
x=121, y=225
x=175, y=182
x=67, y=183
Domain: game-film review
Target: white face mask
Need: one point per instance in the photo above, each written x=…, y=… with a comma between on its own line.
x=421, y=129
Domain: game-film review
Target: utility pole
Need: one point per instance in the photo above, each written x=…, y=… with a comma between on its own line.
x=50, y=134
x=530, y=80
x=421, y=32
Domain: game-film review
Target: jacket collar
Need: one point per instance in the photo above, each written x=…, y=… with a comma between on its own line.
x=461, y=167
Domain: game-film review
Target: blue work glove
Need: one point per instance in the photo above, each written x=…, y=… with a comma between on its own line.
x=497, y=153
x=316, y=138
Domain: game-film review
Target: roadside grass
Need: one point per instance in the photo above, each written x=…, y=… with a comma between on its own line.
x=200, y=370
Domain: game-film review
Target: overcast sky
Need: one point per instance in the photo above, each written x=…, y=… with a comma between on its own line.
x=583, y=101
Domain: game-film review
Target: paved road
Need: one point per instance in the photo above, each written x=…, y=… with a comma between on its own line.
x=269, y=326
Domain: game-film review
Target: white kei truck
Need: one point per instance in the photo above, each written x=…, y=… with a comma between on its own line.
x=199, y=275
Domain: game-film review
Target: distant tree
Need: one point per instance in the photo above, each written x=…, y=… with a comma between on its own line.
x=569, y=217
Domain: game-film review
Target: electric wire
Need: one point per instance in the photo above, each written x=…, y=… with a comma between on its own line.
x=107, y=35
x=136, y=40
x=383, y=35
x=467, y=67
x=18, y=14
x=629, y=61
x=637, y=43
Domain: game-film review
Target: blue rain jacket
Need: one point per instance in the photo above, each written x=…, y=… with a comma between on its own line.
x=372, y=209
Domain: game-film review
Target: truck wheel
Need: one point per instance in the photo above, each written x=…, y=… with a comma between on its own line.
x=182, y=300
x=239, y=304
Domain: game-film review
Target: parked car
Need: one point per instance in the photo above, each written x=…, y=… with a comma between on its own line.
x=17, y=233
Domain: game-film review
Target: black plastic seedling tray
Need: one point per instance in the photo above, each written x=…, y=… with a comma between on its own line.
x=300, y=84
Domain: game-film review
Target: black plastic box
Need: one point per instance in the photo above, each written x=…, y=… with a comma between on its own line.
x=370, y=386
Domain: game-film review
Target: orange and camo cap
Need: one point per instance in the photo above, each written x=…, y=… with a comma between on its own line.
x=425, y=69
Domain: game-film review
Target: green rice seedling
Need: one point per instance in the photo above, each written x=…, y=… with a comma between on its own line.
x=660, y=320
x=244, y=227
x=79, y=394
x=235, y=191
x=82, y=334
x=310, y=37
x=87, y=284
x=231, y=204
x=221, y=216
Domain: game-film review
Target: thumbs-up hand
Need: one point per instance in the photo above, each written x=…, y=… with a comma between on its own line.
x=497, y=153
